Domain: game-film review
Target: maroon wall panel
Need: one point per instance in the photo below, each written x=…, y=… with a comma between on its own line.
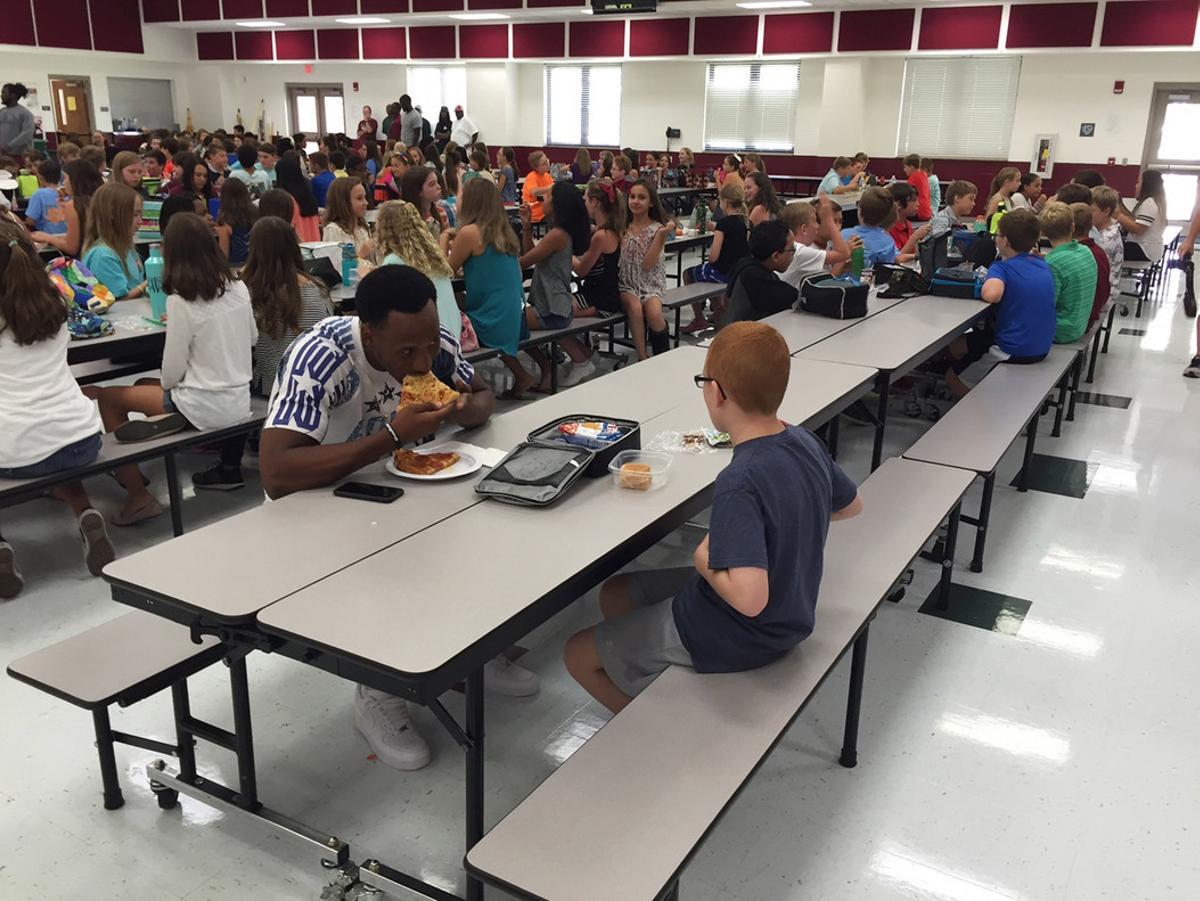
x=16, y=25
x=432, y=42
x=201, y=10
x=214, y=45
x=437, y=6
x=70, y=24
x=1051, y=25
x=659, y=37
x=535, y=40
x=960, y=28
x=726, y=34
x=337, y=43
x=798, y=33
x=483, y=41
x=241, y=9
x=600, y=38
x=284, y=8
x=253, y=45
x=876, y=29
x=334, y=7
x=296, y=44
x=160, y=10
x=1151, y=23
x=546, y=4
x=111, y=29
x=493, y=4
x=384, y=43
x=373, y=7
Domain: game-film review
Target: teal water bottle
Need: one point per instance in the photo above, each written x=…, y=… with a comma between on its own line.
x=349, y=264
x=154, y=285
x=857, y=261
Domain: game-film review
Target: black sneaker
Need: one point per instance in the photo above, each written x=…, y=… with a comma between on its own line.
x=218, y=478
x=1193, y=370
x=151, y=427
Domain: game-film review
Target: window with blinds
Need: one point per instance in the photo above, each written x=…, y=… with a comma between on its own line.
x=432, y=87
x=583, y=105
x=750, y=106
x=959, y=106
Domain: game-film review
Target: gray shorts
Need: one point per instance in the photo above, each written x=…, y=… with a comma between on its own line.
x=992, y=357
x=637, y=647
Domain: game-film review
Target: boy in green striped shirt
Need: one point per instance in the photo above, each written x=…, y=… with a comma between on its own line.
x=1074, y=271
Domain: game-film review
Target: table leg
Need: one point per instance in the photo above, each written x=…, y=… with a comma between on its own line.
x=985, y=512
x=858, y=665
x=1061, y=407
x=1112, y=312
x=185, y=744
x=113, y=798
x=247, y=796
x=883, y=386
x=174, y=494
x=1030, y=439
x=1091, y=376
x=475, y=811
x=948, y=549
x=832, y=438
x=1076, y=372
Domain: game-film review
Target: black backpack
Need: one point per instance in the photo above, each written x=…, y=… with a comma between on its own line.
x=840, y=297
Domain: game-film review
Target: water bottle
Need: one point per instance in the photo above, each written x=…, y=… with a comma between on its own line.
x=349, y=265
x=856, y=262
x=154, y=286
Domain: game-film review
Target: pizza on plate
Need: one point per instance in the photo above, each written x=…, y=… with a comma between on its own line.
x=422, y=464
x=425, y=389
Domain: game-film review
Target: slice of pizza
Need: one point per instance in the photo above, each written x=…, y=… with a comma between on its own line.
x=425, y=389
x=423, y=464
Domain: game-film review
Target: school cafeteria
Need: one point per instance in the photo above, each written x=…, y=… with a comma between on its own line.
x=599, y=450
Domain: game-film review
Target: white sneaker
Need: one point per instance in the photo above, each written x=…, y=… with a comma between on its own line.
x=384, y=722
x=578, y=372
x=504, y=677
x=1193, y=370
x=98, y=549
x=11, y=581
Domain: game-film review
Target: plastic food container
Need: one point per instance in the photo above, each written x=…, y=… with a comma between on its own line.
x=639, y=470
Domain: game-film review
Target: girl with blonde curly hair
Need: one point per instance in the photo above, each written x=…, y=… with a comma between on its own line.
x=404, y=239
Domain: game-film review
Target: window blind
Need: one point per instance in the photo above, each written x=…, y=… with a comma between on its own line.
x=583, y=105
x=959, y=106
x=750, y=106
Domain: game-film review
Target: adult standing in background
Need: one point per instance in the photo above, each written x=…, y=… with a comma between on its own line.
x=406, y=127
x=368, y=128
x=16, y=122
x=426, y=134
x=464, y=133
x=392, y=110
x=441, y=133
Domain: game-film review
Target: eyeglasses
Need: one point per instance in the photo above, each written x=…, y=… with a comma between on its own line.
x=701, y=379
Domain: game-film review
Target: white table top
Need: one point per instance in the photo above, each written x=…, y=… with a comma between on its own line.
x=129, y=318
x=976, y=432
x=259, y=549
x=802, y=330
x=406, y=609
x=893, y=338
x=681, y=750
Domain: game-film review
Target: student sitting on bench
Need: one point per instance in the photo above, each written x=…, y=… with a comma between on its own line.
x=1022, y=287
x=752, y=593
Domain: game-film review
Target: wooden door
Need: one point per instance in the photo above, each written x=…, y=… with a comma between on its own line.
x=72, y=107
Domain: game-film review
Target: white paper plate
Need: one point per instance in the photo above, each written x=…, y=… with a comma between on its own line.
x=466, y=465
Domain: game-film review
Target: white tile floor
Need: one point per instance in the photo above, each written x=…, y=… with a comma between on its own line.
x=1056, y=763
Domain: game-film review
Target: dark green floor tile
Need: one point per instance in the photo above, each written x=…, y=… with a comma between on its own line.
x=981, y=609
x=1139, y=332
x=1059, y=475
x=1118, y=401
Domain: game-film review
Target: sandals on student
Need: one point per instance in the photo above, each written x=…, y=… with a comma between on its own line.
x=151, y=427
x=141, y=514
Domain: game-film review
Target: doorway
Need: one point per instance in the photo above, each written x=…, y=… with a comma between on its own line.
x=316, y=109
x=71, y=99
x=1173, y=144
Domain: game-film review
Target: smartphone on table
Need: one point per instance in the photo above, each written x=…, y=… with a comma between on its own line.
x=365, y=491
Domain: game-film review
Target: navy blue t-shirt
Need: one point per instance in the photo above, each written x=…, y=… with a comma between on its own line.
x=1025, y=318
x=771, y=510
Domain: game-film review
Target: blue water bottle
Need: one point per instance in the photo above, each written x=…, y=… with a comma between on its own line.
x=349, y=264
x=154, y=285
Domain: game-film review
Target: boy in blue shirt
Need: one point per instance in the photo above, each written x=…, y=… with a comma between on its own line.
x=876, y=213
x=1021, y=285
x=43, y=213
x=751, y=595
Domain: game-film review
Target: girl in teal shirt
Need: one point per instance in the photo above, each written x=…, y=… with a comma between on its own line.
x=108, y=251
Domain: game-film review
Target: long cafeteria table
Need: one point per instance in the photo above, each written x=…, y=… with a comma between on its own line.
x=896, y=340
x=278, y=601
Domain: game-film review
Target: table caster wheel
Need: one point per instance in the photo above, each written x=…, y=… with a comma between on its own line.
x=932, y=413
x=167, y=798
x=912, y=409
x=1124, y=311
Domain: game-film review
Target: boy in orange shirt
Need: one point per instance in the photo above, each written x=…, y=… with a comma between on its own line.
x=538, y=182
x=918, y=179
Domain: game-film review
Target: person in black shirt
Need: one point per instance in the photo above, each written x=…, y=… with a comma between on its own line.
x=755, y=289
x=730, y=244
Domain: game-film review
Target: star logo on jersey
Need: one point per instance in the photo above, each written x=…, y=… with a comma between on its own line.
x=373, y=406
x=388, y=393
